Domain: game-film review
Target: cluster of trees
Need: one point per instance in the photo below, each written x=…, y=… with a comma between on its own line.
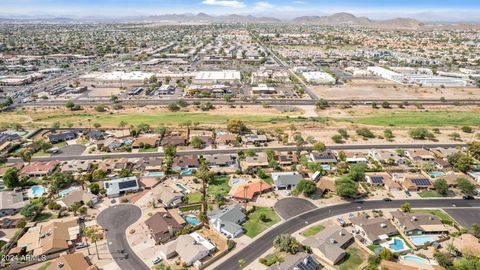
x=72, y=106
x=306, y=187
x=421, y=134
x=347, y=186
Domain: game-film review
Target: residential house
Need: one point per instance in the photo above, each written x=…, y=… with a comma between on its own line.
x=110, y=144
x=420, y=155
x=298, y=261
x=325, y=157
x=443, y=153
x=286, y=159
x=175, y=140
x=162, y=226
x=330, y=244
x=50, y=237
x=222, y=161
x=11, y=202
x=153, y=164
x=113, y=165
x=205, y=139
x=191, y=248
x=76, y=166
x=467, y=244
x=254, y=139
x=146, y=141
x=185, y=162
x=77, y=196
x=226, y=139
x=382, y=179
x=260, y=160
x=61, y=137
x=452, y=177
x=74, y=261
x=441, y=164
x=248, y=190
x=227, y=220
x=95, y=135
x=168, y=196
x=387, y=157
x=286, y=180
x=116, y=187
x=39, y=169
x=418, y=223
x=373, y=230
x=416, y=183
x=326, y=184
x=355, y=157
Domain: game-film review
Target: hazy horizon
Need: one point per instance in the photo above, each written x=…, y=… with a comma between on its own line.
x=463, y=10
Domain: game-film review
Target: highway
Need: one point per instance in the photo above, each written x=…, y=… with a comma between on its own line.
x=234, y=150
x=255, y=249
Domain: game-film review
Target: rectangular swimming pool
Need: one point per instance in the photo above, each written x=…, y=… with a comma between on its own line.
x=420, y=240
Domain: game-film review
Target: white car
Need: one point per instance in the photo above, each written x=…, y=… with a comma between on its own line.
x=157, y=260
x=80, y=245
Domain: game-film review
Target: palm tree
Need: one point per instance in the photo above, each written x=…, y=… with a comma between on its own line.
x=206, y=176
x=91, y=234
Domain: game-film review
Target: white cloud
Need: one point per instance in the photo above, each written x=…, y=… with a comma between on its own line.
x=262, y=5
x=225, y=3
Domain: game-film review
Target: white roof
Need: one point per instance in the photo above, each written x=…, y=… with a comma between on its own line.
x=201, y=240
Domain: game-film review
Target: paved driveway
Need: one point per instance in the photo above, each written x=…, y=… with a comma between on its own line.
x=116, y=220
x=290, y=207
x=465, y=216
x=71, y=150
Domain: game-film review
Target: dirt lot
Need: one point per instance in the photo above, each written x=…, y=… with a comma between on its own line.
x=104, y=92
x=385, y=90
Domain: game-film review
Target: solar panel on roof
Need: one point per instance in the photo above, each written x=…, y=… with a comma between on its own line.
x=127, y=184
x=377, y=179
x=421, y=182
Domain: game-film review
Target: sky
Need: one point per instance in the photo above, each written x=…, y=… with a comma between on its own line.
x=427, y=10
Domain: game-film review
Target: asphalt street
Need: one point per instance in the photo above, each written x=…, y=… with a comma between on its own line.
x=465, y=216
x=290, y=207
x=234, y=150
x=252, y=251
x=116, y=220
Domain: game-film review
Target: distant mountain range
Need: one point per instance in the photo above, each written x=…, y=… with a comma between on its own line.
x=342, y=18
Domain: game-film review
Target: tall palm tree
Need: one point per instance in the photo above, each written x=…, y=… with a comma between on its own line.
x=91, y=234
x=206, y=176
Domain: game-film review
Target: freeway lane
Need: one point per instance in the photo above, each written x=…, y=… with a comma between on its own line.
x=251, y=252
x=234, y=150
x=116, y=220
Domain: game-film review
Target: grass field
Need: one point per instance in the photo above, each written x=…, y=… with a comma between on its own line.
x=194, y=197
x=442, y=215
x=255, y=226
x=313, y=230
x=148, y=150
x=219, y=185
x=437, y=118
x=353, y=261
x=429, y=194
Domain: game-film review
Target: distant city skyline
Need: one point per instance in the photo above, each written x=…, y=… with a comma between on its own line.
x=429, y=10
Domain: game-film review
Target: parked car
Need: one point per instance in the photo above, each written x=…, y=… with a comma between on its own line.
x=157, y=260
x=468, y=197
x=341, y=222
x=387, y=199
x=80, y=245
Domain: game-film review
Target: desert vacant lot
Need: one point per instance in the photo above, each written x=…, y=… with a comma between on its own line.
x=361, y=89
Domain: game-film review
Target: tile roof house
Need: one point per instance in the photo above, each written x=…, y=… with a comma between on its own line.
x=191, y=248
x=184, y=162
x=453, y=177
x=325, y=157
x=50, y=237
x=467, y=244
x=11, y=202
x=76, y=166
x=330, y=244
x=96, y=135
x=226, y=139
x=356, y=157
x=168, y=196
x=387, y=156
x=416, y=182
x=116, y=187
x=147, y=141
x=162, y=226
x=299, y=261
x=254, y=139
x=227, y=220
x=373, y=230
x=222, y=160
x=248, y=190
x=74, y=261
x=326, y=184
x=418, y=223
x=286, y=159
x=260, y=160
x=286, y=180
x=39, y=169
x=421, y=155
x=78, y=195
x=173, y=140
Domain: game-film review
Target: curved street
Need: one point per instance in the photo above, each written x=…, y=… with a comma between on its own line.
x=260, y=245
x=116, y=220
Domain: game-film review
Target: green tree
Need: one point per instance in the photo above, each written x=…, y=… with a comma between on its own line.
x=173, y=107
x=319, y=146
x=196, y=142
x=474, y=149
x=460, y=161
x=307, y=187
x=405, y=207
x=30, y=210
x=337, y=138
x=365, y=133
x=465, y=186
x=286, y=243
x=69, y=105
x=203, y=173
x=10, y=178
x=236, y=126
x=90, y=233
x=388, y=134
x=421, y=134
x=357, y=173
x=346, y=187
x=441, y=186
x=467, y=129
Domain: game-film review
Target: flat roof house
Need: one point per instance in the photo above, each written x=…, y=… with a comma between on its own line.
x=227, y=220
x=162, y=226
x=286, y=180
x=191, y=248
x=325, y=157
x=418, y=223
x=120, y=186
x=373, y=230
x=330, y=244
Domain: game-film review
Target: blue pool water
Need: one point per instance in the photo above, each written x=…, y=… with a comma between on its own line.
x=187, y=172
x=67, y=191
x=192, y=220
x=435, y=174
x=326, y=167
x=237, y=181
x=415, y=259
x=183, y=188
x=397, y=245
x=154, y=174
x=36, y=191
x=420, y=240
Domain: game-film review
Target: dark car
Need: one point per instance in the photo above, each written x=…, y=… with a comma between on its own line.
x=468, y=197
x=387, y=199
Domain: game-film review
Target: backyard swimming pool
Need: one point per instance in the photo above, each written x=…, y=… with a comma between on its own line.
x=420, y=240
x=396, y=245
x=187, y=171
x=154, y=174
x=67, y=191
x=237, y=181
x=36, y=191
x=183, y=188
x=436, y=174
x=192, y=220
x=415, y=259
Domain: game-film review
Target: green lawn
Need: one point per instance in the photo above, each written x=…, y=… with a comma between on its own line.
x=437, y=118
x=148, y=150
x=373, y=247
x=41, y=153
x=60, y=144
x=45, y=266
x=353, y=260
x=42, y=217
x=442, y=215
x=429, y=194
x=255, y=226
x=189, y=208
x=313, y=230
x=195, y=197
x=268, y=180
x=219, y=185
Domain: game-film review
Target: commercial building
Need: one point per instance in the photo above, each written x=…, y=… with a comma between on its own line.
x=318, y=77
x=215, y=77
